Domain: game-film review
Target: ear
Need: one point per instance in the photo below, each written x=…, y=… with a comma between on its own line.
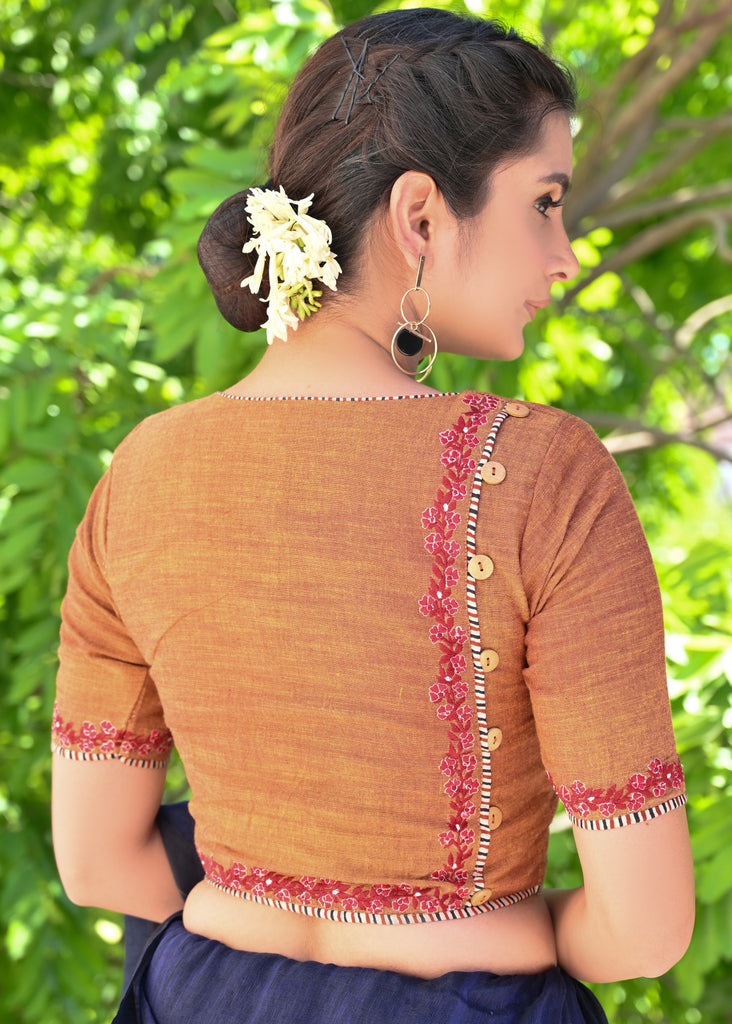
x=418, y=215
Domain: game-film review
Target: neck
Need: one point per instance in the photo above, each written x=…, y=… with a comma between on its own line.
x=330, y=355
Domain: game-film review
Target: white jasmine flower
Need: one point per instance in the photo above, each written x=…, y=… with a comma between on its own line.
x=298, y=249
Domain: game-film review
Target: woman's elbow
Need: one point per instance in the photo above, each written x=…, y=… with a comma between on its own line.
x=672, y=942
x=81, y=883
x=80, y=896
x=648, y=945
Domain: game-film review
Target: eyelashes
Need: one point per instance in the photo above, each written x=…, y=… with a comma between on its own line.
x=546, y=203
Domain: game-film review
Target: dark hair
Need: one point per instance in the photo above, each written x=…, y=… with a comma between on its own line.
x=450, y=95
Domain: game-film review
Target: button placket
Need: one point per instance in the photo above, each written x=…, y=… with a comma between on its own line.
x=481, y=567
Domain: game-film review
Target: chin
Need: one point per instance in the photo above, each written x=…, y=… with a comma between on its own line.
x=506, y=352
x=485, y=348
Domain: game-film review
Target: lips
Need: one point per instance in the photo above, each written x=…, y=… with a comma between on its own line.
x=532, y=307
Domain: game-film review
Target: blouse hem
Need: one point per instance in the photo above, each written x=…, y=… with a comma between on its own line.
x=366, y=917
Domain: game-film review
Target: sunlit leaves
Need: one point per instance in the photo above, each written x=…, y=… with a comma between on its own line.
x=124, y=125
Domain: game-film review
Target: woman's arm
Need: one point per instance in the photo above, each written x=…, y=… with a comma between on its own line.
x=108, y=849
x=634, y=915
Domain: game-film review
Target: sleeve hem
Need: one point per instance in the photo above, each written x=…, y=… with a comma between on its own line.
x=632, y=818
x=82, y=755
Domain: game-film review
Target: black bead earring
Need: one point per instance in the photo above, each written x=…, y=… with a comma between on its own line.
x=411, y=335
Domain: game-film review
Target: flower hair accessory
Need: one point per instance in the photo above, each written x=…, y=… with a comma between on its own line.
x=298, y=248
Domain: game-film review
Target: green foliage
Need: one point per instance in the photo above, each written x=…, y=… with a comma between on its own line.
x=123, y=127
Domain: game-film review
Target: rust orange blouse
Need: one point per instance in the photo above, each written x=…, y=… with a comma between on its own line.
x=384, y=635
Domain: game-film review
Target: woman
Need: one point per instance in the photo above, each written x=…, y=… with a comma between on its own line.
x=386, y=626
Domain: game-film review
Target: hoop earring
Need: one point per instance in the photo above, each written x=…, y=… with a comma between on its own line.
x=408, y=339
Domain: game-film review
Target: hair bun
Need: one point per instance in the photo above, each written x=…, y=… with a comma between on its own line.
x=225, y=265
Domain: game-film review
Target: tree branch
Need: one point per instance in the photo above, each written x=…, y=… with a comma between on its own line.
x=676, y=157
x=680, y=339
x=226, y=10
x=34, y=80
x=720, y=233
x=684, y=61
x=593, y=196
x=680, y=199
x=647, y=353
x=643, y=439
x=637, y=436
x=665, y=14
x=665, y=38
x=703, y=124
x=706, y=420
x=656, y=237
x=107, y=275
x=651, y=86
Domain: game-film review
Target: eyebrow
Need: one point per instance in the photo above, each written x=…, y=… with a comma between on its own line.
x=558, y=178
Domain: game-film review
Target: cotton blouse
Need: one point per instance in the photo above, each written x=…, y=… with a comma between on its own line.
x=384, y=635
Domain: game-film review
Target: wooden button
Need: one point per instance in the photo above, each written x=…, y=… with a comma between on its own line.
x=493, y=472
x=481, y=896
x=488, y=659
x=495, y=737
x=480, y=567
x=495, y=817
x=516, y=409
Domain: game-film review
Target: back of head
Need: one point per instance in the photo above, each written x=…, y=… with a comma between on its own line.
x=428, y=90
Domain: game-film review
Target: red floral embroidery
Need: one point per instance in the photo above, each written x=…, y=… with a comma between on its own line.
x=581, y=800
x=325, y=893
x=449, y=691
x=106, y=739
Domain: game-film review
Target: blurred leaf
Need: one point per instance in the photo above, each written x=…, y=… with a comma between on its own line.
x=123, y=127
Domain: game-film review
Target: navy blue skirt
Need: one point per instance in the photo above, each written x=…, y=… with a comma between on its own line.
x=185, y=978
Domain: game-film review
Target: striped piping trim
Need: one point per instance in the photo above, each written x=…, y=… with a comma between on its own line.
x=360, y=917
x=332, y=398
x=449, y=690
x=81, y=755
x=633, y=818
x=476, y=647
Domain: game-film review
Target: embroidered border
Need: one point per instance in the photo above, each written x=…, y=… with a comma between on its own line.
x=105, y=742
x=624, y=805
x=363, y=904
x=603, y=824
x=476, y=647
x=449, y=691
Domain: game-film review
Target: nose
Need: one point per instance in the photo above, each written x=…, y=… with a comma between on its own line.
x=564, y=264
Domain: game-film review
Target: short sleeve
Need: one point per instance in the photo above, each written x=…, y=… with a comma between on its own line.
x=596, y=669
x=106, y=705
